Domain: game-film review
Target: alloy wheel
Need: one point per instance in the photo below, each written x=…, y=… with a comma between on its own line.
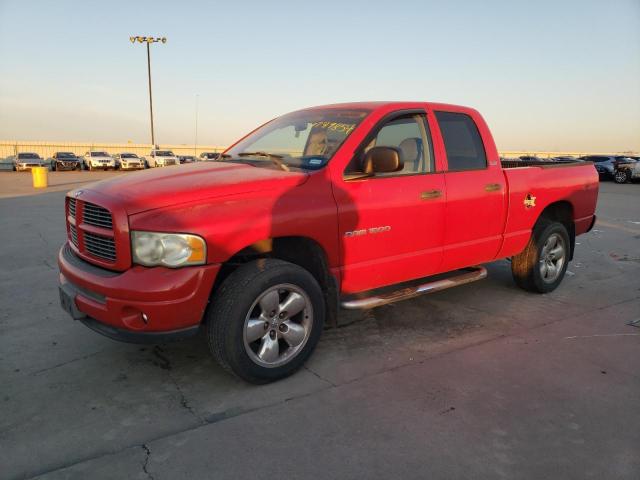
x=278, y=325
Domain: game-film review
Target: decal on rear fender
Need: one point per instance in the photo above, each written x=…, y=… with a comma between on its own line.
x=529, y=201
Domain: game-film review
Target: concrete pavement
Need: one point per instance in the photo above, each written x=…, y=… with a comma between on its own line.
x=482, y=381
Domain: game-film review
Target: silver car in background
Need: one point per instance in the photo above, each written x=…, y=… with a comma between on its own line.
x=25, y=161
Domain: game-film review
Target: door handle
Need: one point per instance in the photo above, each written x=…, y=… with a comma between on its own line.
x=492, y=187
x=430, y=194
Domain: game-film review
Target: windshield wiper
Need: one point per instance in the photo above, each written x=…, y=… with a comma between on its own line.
x=276, y=159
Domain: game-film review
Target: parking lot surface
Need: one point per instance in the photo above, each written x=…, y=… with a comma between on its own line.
x=481, y=381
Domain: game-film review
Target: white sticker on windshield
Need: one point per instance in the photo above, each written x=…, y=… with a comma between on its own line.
x=315, y=161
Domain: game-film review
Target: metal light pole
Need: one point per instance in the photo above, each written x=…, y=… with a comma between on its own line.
x=195, y=143
x=149, y=41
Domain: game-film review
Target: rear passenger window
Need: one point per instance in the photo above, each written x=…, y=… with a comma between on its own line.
x=465, y=150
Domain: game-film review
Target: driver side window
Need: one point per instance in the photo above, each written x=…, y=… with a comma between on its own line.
x=408, y=134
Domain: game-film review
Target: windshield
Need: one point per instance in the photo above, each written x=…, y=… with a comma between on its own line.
x=164, y=153
x=129, y=155
x=28, y=156
x=65, y=155
x=99, y=154
x=306, y=139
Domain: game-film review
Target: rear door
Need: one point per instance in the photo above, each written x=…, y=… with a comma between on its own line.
x=391, y=224
x=476, y=194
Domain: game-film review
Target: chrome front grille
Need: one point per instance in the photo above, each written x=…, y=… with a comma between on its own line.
x=99, y=246
x=91, y=232
x=97, y=216
x=74, y=234
x=72, y=207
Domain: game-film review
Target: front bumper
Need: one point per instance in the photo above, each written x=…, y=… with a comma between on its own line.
x=66, y=166
x=138, y=305
x=26, y=168
x=137, y=166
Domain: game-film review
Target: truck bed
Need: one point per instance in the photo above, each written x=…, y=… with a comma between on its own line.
x=541, y=184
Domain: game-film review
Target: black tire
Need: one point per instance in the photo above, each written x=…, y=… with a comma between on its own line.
x=232, y=304
x=527, y=267
x=621, y=176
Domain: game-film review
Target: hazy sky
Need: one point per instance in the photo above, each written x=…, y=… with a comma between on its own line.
x=547, y=75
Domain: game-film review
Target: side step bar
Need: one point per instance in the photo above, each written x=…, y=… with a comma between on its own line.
x=466, y=275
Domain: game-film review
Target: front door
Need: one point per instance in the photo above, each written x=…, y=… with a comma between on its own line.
x=391, y=224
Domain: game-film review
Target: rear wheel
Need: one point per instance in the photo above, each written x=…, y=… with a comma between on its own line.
x=621, y=176
x=265, y=320
x=541, y=266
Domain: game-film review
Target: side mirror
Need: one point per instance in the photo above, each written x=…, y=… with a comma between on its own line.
x=382, y=160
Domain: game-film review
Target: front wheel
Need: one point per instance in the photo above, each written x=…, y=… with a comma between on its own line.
x=265, y=320
x=621, y=176
x=541, y=266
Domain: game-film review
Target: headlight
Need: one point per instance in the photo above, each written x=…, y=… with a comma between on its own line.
x=167, y=249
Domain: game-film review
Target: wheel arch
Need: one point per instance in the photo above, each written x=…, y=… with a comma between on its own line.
x=302, y=251
x=563, y=212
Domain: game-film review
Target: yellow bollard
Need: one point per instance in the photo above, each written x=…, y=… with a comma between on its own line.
x=39, y=176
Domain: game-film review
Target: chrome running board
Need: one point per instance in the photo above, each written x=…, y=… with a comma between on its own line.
x=466, y=275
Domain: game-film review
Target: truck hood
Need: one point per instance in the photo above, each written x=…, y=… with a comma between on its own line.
x=158, y=188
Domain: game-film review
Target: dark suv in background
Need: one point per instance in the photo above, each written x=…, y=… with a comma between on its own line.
x=605, y=164
x=64, y=161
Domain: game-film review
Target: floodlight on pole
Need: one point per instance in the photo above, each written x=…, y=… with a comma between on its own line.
x=149, y=41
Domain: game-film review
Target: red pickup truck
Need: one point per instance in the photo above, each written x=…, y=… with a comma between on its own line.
x=351, y=205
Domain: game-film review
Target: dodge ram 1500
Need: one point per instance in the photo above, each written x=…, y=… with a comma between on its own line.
x=320, y=209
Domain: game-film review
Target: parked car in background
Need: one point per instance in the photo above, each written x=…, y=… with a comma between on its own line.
x=604, y=164
x=64, y=161
x=23, y=162
x=98, y=160
x=206, y=156
x=162, y=158
x=564, y=158
x=187, y=159
x=530, y=158
x=627, y=171
x=622, y=159
x=128, y=161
